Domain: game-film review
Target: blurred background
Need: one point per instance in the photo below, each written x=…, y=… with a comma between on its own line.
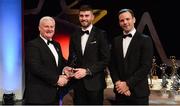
x=156, y=18
x=153, y=17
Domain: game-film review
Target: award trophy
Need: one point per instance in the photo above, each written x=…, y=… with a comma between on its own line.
x=71, y=72
x=164, y=82
x=175, y=79
x=175, y=85
x=153, y=74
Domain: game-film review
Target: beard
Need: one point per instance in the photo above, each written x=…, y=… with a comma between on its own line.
x=85, y=24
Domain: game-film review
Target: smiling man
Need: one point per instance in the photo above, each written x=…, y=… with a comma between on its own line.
x=130, y=63
x=90, y=47
x=43, y=65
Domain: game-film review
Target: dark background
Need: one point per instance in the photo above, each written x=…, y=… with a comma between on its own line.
x=164, y=14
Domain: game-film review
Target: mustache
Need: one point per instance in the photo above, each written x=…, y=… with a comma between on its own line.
x=50, y=31
x=83, y=21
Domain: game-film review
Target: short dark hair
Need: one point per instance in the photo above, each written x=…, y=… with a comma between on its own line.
x=85, y=8
x=126, y=10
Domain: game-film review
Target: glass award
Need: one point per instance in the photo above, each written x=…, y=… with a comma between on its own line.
x=72, y=65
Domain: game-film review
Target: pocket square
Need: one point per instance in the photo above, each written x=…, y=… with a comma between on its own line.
x=92, y=42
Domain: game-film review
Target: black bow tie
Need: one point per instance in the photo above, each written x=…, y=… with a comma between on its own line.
x=128, y=35
x=85, y=32
x=50, y=41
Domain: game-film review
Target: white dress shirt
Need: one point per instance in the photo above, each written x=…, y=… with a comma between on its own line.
x=127, y=40
x=53, y=50
x=84, y=38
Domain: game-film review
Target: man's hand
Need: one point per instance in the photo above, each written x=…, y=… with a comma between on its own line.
x=68, y=71
x=63, y=80
x=127, y=93
x=80, y=73
x=122, y=88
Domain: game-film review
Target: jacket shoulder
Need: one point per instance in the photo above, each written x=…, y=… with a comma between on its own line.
x=98, y=29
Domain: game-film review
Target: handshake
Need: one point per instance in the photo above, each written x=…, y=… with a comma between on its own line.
x=76, y=73
x=67, y=74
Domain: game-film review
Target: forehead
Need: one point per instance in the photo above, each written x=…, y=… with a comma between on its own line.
x=125, y=14
x=85, y=12
x=48, y=22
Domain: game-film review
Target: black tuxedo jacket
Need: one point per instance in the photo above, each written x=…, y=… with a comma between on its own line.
x=136, y=65
x=96, y=57
x=42, y=73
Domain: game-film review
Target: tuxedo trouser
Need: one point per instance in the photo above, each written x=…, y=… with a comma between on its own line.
x=131, y=100
x=82, y=96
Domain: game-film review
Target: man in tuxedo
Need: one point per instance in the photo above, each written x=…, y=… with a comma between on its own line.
x=130, y=62
x=43, y=65
x=90, y=50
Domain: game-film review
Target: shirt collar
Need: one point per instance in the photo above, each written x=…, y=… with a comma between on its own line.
x=45, y=40
x=89, y=28
x=132, y=32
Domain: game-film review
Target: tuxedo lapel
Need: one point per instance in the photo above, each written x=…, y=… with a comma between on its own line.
x=132, y=45
x=58, y=52
x=47, y=50
x=120, y=42
x=91, y=35
x=79, y=48
x=90, y=38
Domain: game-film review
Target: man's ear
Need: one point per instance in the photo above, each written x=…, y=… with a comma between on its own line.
x=134, y=20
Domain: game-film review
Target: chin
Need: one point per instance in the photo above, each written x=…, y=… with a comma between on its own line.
x=49, y=36
x=84, y=26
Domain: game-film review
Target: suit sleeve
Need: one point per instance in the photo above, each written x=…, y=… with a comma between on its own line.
x=112, y=66
x=72, y=54
x=145, y=63
x=62, y=60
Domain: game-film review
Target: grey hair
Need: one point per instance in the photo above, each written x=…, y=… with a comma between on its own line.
x=45, y=18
